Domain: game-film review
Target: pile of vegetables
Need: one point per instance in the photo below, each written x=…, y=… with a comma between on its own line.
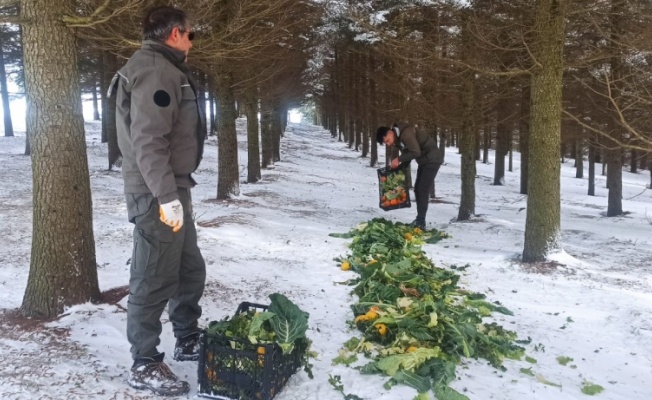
x=392, y=187
x=417, y=324
x=256, y=333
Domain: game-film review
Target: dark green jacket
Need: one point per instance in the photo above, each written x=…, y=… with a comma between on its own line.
x=159, y=123
x=417, y=145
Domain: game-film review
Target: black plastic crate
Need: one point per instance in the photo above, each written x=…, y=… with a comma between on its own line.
x=239, y=370
x=385, y=202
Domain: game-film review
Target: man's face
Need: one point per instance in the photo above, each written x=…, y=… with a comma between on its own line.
x=390, y=138
x=180, y=38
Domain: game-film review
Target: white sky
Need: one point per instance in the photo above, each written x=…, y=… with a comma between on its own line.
x=18, y=112
x=274, y=237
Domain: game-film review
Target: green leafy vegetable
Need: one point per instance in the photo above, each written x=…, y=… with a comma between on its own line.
x=416, y=323
x=563, y=360
x=592, y=389
x=289, y=322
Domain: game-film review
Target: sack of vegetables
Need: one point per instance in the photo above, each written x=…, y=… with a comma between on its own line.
x=393, y=189
x=251, y=355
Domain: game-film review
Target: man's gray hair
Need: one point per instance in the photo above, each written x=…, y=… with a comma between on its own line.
x=160, y=21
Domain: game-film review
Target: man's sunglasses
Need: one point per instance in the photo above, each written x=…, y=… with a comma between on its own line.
x=191, y=34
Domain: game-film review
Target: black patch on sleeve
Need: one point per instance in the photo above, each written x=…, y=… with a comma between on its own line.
x=162, y=98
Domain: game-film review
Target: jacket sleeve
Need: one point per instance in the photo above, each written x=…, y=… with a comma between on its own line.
x=154, y=108
x=411, y=149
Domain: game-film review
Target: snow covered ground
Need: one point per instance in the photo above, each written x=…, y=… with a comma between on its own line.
x=593, y=305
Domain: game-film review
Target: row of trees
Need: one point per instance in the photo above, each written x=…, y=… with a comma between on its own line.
x=468, y=73
x=546, y=76
x=251, y=53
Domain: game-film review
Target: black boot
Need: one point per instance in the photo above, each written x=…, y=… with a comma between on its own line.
x=153, y=374
x=419, y=223
x=187, y=348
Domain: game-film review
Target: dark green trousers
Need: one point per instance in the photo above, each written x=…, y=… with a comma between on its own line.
x=167, y=268
x=426, y=174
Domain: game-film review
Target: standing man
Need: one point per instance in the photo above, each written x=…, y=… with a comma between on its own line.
x=161, y=133
x=414, y=145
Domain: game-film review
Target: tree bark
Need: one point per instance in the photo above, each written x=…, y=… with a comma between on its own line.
x=524, y=136
x=467, y=134
x=6, y=110
x=579, y=158
x=266, y=133
x=227, y=164
x=373, y=106
x=591, y=191
x=486, y=135
x=502, y=139
x=277, y=130
x=615, y=182
x=364, y=104
x=63, y=271
x=542, y=226
x=614, y=155
x=110, y=66
x=253, y=147
x=211, y=105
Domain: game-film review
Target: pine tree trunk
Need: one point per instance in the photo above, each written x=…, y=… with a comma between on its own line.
x=467, y=134
x=478, y=150
x=615, y=154
x=373, y=107
x=591, y=191
x=6, y=110
x=486, y=135
x=350, y=130
x=579, y=159
x=615, y=182
x=211, y=104
x=466, y=142
x=510, y=167
x=524, y=136
x=96, y=108
x=63, y=271
x=364, y=104
x=542, y=226
x=227, y=164
x=267, y=140
x=277, y=130
x=502, y=142
x=201, y=92
x=110, y=66
x=253, y=148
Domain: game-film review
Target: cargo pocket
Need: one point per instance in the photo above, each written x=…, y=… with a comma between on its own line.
x=151, y=238
x=149, y=266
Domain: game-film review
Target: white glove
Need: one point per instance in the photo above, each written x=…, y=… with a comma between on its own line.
x=172, y=214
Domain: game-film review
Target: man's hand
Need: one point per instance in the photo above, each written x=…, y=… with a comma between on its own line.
x=394, y=163
x=172, y=214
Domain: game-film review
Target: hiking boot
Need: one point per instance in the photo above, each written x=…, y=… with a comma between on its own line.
x=153, y=374
x=418, y=223
x=187, y=348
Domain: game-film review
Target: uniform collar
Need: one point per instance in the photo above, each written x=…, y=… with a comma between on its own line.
x=177, y=56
